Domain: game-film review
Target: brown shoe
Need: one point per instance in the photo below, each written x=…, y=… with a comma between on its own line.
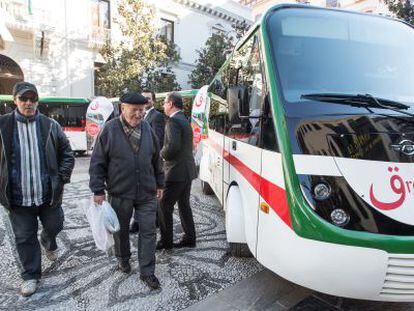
x=124, y=266
x=151, y=281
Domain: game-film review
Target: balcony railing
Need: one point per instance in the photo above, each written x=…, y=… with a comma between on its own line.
x=98, y=36
x=17, y=15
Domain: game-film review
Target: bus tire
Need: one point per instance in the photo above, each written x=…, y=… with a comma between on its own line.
x=239, y=250
x=205, y=188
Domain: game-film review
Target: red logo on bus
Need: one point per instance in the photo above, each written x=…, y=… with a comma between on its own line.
x=398, y=186
x=94, y=105
x=199, y=102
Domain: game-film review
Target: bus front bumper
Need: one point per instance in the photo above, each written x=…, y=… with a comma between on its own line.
x=341, y=270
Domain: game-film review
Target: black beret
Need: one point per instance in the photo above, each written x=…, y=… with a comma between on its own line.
x=133, y=98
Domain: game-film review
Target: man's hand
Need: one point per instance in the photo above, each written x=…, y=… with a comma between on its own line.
x=160, y=193
x=98, y=199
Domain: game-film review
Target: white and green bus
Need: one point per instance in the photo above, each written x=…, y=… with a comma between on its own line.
x=310, y=150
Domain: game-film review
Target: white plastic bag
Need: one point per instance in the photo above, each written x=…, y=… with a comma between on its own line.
x=103, y=222
x=111, y=221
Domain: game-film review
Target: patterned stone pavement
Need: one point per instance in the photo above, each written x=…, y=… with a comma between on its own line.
x=84, y=278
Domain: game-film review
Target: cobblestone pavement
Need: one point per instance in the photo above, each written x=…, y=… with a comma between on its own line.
x=84, y=278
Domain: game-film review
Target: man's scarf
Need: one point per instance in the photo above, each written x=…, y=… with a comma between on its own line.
x=133, y=134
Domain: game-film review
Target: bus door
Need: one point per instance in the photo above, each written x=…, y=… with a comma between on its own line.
x=245, y=169
x=216, y=148
x=243, y=131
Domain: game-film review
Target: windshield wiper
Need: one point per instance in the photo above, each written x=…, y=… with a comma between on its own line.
x=359, y=100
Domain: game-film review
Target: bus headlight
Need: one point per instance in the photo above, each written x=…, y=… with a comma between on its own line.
x=339, y=217
x=321, y=191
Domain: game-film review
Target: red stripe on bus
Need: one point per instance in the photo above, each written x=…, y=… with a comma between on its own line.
x=274, y=195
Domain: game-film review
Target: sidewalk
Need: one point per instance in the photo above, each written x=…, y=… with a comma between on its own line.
x=262, y=291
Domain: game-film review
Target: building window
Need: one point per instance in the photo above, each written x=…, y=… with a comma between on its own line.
x=218, y=29
x=100, y=23
x=100, y=14
x=167, y=29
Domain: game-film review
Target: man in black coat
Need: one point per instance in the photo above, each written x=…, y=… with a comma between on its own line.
x=126, y=164
x=35, y=162
x=180, y=170
x=157, y=121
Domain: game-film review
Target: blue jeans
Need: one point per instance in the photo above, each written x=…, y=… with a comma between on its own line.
x=24, y=221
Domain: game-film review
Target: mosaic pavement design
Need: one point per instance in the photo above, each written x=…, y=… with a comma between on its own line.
x=84, y=278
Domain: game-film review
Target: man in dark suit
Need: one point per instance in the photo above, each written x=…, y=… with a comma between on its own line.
x=180, y=170
x=155, y=118
x=157, y=121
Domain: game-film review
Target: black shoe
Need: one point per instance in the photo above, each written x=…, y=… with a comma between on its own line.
x=184, y=243
x=151, y=281
x=124, y=266
x=160, y=245
x=134, y=228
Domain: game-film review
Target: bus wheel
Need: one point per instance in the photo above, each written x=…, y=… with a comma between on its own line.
x=205, y=188
x=240, y=250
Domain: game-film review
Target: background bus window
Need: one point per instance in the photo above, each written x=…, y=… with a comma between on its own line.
x=76, y=116
x=53, y=110
x=247, y=87
x=67, y=115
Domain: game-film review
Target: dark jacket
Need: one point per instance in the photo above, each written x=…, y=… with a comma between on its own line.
x=178, y=149
x=59, y=157
x=115, y=168
x=157, y=121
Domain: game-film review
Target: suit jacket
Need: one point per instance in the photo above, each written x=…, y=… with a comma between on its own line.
x=157, y=121
x=178, y=150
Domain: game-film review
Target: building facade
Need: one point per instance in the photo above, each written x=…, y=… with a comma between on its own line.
x=55, y=43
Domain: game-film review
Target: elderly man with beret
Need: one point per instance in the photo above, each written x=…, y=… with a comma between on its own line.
x=126, y=165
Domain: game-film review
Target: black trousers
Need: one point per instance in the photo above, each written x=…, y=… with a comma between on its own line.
x=24, y=221
x=176, y=192
x=145, y=212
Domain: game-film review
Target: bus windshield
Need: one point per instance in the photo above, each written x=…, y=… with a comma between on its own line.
x=324, y=51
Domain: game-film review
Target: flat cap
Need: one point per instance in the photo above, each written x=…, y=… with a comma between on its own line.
x=133, y=98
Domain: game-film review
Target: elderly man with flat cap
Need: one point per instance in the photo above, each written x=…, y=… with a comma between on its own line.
x=126, y=166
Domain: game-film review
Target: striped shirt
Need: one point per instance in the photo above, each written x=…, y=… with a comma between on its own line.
x=30, y=164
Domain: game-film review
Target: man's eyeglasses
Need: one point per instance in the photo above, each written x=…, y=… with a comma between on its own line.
x=28, y=98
